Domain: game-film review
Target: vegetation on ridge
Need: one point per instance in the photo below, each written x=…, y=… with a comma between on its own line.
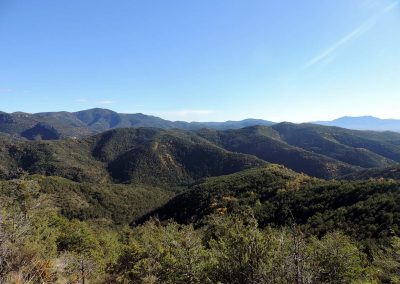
x=149, y=205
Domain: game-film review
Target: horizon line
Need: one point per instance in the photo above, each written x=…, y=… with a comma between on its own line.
x=210, y=121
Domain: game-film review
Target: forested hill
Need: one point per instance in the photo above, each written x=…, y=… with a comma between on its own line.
x=145, y=155
x=363, y=209
x=376, y=173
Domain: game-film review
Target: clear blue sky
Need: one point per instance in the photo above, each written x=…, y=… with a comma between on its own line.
x=205, y=60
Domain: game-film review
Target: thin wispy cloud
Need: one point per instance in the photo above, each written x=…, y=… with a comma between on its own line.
x=10, y=91
x=186, y=114
x=81, y=100
x=6, y=91
x=100, y=102
x=357, y=32
x=190, y=112
x=105, y=102
x=134, y=109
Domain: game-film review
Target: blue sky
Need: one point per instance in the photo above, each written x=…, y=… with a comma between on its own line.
x=204, y=60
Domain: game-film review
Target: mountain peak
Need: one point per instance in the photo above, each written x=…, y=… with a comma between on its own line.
x=367, y=122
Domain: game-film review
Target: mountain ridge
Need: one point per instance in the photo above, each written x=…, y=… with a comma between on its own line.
x=97, y=120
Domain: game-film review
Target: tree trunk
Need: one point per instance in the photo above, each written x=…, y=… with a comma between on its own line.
x=82, y=272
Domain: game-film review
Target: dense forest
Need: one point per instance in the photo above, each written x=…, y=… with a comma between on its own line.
x=41, y=245
x=153, y=205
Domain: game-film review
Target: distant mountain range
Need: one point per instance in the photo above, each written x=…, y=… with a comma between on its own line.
x=56, y=125
x=364, y=123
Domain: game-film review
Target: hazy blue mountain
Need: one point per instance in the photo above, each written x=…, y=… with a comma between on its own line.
x=364, y=123
x=231, y=124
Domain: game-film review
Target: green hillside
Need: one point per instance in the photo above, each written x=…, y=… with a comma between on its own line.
x=363, y=209
x=108, y=203
x=377, y=173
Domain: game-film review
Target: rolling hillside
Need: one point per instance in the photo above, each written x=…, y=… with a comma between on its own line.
x=278, y=196
x=320, y=151
x=144, y=155
x=175, y=157
x=376, y=173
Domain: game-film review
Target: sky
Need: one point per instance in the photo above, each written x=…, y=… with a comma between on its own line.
x=202, y=60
